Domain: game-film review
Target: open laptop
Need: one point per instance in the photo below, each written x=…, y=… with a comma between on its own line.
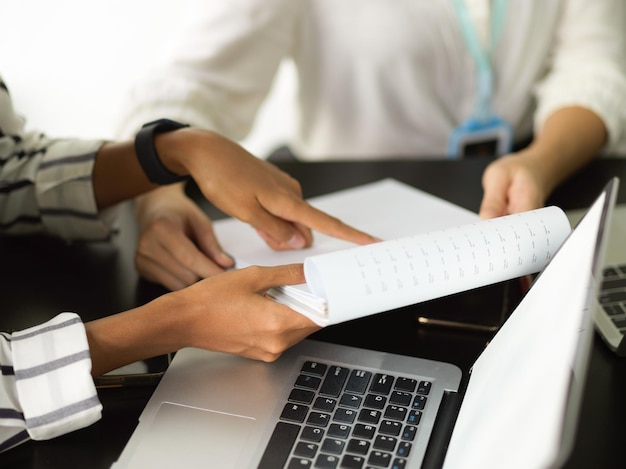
x=610, y=311
x=324, y=405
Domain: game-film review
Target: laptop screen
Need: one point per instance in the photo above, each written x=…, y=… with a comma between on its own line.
x=525, y=388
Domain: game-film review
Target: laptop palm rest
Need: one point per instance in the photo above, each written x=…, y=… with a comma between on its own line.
x=179, y=432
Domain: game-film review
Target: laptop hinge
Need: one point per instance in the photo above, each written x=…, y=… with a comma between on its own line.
x=442, y=431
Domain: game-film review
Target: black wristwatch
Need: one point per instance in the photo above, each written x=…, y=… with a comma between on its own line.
x=148, y=156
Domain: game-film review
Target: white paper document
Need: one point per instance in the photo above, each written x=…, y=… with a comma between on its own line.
x=432, y=248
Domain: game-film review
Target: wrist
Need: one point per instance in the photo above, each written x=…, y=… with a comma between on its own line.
x=158, y=163
x=546, y=172
x=157, y=200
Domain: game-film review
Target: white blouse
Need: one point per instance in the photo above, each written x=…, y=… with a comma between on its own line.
x=381, y=78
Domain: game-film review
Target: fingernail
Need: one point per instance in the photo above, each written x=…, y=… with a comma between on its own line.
x=297, y=241
x=226, y=259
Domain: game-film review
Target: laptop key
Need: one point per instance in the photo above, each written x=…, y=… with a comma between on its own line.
x=318, y=418
x=358, y=446
x=350, y=400
x=294, y=412
x=334, y=381
x=620, y=323
x=307, y=450
x=279, y=446
x=314, y=368
x=399, y=463
x=324, y=404
x=345, y=415
x=409, y=433
x=386, y=443
x=313, y=434
x=404, y=448
x=400, y=397
x=351, y=461
x=419, y=402
x=414, y=417
x=326, y=461
x=424, y=387
x=300, y=463
x=382, y=384
x=379, y=459
x=339, y=430
x=333, y=446
x=613, y=283
x=612, y=297
x=406, y=384
x=369, y=416
x=614, y=310
x=395, y=412
x=302, y=396
x=375, y=402
x=308, y=382
x=389, y=427
x=364, y=431
x=358, y=381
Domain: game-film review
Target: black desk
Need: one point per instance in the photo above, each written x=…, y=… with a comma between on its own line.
x=40, y=277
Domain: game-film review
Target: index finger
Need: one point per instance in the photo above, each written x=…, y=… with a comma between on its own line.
x=318, y=220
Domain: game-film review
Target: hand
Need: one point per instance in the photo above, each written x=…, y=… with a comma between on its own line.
x=224, y=313
x=569, y=138
x=230, y=313
x=177, y=246
x=250, y=189
x=513, y=184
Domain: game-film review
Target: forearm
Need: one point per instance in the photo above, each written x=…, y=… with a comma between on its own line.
x=147, y=331
x=569, y=139
x=117, y=175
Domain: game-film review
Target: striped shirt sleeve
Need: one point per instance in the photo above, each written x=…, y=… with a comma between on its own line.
x=46, y=388
x=46, y=184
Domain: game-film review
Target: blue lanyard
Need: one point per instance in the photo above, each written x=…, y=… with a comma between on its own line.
x=481, y=57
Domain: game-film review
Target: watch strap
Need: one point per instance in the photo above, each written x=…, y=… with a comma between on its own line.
x=147, y=155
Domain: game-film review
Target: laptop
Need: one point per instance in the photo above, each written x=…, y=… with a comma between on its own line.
x=332, y=406
x=610, y=310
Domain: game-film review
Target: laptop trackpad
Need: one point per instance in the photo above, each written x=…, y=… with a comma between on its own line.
x=183, y=436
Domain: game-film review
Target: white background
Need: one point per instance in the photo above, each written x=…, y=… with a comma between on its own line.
x=69, y=63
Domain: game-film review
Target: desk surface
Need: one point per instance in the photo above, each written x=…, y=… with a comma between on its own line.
x=41, y=277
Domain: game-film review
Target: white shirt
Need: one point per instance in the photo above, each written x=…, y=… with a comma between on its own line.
x=383, y=78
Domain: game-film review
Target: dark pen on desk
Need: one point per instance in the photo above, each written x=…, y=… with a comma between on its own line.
x=424, y=321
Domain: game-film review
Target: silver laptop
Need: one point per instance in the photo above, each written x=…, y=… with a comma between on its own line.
x=610, y=311
x=329, y=406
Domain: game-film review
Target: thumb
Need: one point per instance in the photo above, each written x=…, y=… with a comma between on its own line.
x=288, y=274
x=495, y=187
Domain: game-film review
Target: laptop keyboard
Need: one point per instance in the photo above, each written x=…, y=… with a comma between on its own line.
x=613, y=295
x=337, y=417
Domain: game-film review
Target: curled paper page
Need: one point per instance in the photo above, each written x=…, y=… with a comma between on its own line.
x=369, y=279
